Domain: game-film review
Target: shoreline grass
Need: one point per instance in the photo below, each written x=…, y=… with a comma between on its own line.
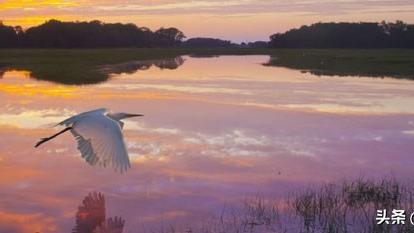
x=348, y=206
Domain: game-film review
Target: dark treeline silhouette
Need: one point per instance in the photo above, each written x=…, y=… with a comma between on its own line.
x=9, y=36
x=347, y=35
x=255, y=45
x=94, y=34
x=202, y=42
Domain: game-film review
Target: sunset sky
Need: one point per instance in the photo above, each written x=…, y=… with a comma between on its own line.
x=238, y=20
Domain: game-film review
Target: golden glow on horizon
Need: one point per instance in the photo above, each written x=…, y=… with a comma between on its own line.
x=33, y=4
x=30, y=21
x=34, y=90
x=17, y=74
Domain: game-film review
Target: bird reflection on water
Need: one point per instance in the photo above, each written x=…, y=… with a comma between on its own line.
x=91, y=217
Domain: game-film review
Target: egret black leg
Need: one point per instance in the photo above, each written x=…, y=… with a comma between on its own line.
x=43, y=140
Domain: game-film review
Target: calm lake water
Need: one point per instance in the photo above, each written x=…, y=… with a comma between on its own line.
x=216, y=131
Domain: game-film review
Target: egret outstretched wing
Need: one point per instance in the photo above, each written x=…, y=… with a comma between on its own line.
x=73, y=119
x=100, y=140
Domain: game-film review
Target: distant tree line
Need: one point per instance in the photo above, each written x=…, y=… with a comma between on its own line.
x=255, y=44
x=347, y=35
x=94, y=34
x=202, y=42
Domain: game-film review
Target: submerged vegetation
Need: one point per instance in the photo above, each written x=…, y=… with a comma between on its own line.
x=348, y=207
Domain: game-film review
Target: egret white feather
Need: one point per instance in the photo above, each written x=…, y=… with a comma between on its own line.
x=99, y=137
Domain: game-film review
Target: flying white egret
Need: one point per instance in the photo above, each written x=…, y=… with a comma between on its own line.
x=99, y=137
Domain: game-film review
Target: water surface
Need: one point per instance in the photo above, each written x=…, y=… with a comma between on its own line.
x=216, y=131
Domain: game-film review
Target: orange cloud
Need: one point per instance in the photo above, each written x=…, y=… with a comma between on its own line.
x=27, y=223
x=11, y=175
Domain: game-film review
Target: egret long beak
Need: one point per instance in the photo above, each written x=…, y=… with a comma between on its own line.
x=133, y=115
